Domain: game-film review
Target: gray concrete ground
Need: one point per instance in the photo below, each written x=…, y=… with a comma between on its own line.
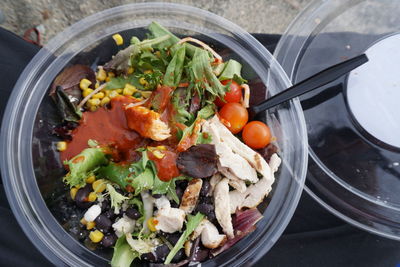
x=267, y=16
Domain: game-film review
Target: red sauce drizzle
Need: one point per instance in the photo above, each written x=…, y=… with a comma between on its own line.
x=166, y=166
x=109, y=128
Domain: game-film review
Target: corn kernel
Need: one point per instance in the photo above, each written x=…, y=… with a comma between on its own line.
x=113, y=94
x=92, y=197
x=99, y=95
x=158, y=154
x=146, y=94
x=151, y=224
x=94, y=102
x=161, y=148
x=119, y=91
x=143, y=81
x=111, y=74
x=108, y=79
x=118, y=39
x=90, y=225
x=96, y=236
x=72, y=192
x=83, y=221
x=105, y=101
x=84, y=84
x=87, y=92
x=148, y=72
x=96, y=85
x=93, y=108
x=130, y=70
x=101, y=75
x=99, y=186
x=61, y=146
x=90, y=179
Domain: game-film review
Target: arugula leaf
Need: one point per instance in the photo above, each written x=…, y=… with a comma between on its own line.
x=232, y=69
x=204, y=138
x=158, y=30
x=174, y=70
x=203, y=76
x=192, y=223
x=66, y=108
x=82, y=165
x=116, y=198
x=119, y=82
x=123, y=59
x=206, y=112
x=123, y=254
x=143, y=181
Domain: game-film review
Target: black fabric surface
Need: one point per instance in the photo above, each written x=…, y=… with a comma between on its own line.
x=314, y=237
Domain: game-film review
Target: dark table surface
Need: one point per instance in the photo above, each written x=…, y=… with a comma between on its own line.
x=314, y=237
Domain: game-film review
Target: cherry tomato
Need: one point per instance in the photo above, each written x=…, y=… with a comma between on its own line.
x=236, y=115
x=256, y=134
x=232, y=96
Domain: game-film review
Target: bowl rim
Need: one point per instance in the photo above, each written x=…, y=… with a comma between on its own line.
x=8, y=140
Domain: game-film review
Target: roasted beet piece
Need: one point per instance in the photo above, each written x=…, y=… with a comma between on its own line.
x=198, y=161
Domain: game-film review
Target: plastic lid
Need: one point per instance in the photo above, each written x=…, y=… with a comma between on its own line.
x=353, y=123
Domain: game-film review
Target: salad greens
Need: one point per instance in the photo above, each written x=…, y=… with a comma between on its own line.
x=192, y=223
x=123, y=254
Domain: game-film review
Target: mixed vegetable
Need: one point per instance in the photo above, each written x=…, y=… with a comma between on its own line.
x=153, y=152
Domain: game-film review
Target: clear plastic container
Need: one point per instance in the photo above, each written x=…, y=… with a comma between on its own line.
x=31, y=169
x=353, y=123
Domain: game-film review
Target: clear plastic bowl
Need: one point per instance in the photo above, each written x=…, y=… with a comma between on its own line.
x=31, y=169
x=351, y=173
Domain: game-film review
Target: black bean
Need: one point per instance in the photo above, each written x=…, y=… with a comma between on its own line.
x=81, y=197
x=172, y=238
x=103, y=223
x=156, y=195
x=150, y=256
x=200, y=254
x=205, y=208
x=205, y=189
x=180, y=255
x=161, y=252
x=133, y=213
x=211, y=217
x=179, y=192
x=110, y=214
x=206, y=200
x=105, y=205
x=109, y=240
x=182, y=184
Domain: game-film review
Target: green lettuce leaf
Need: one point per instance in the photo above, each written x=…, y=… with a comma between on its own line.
x=82, y=165
x=174, y=70
x=123, y=254
x=116, y=198
x=192, y=223
x=116, y=173
x=144, y=181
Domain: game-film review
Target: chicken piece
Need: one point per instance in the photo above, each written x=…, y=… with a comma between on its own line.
x=222, y=207
x=147, y=123
x=255, y=193
x=124, y=225
x=214, y=181
x=197, y=232
x=210, y=236
x=254, y=158
x=191, y=195
x=234, y=181
x=237, y=164
x=170, y=220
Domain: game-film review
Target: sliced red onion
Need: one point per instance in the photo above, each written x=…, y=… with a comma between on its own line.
x=244, y=222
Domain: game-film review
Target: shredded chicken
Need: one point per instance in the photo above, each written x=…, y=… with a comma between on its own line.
x=147, y=123
x=214, y=181
x=191, y=195
x=222, y=207
x=210, y=236
x=234, y=181
x=236, y=164
x=169, y=220
x=255, y=193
